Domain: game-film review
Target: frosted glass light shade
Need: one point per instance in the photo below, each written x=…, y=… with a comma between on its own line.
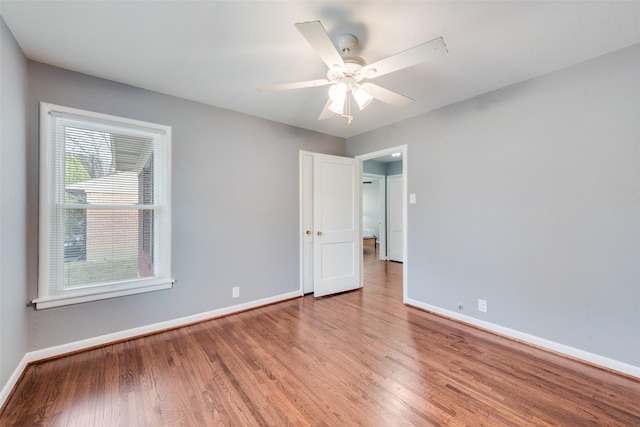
x=362, y=98
x=337, y=94
x=337, y=108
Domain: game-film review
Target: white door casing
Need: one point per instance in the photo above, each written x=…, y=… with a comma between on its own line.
x=306, y=219
x=395, y=218
x=337, y=235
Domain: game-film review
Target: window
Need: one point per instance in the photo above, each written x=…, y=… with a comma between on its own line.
x=105, y=207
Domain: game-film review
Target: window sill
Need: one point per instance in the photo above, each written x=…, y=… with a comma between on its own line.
x=102, y=292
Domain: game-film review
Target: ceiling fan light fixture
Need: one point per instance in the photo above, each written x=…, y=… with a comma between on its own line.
x=338, y=92
x=337, y=95
x=337, y=107
x=362, y=98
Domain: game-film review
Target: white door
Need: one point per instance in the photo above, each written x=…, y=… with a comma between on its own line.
x=337, y=243
x=395, y=222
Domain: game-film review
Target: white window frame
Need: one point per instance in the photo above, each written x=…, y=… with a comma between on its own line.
x=51, y=292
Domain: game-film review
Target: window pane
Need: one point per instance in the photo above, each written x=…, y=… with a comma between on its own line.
x=108, y=166
x=91, y=149
x=75, y=228
x=120, y=188
x=105, y=246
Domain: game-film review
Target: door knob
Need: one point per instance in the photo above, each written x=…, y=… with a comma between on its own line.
x=307, y=232
x=319, y=233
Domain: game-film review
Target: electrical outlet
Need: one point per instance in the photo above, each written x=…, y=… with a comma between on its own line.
x=236, y=292
x=482, y=305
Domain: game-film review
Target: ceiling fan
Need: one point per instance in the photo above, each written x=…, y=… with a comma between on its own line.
x=347, y=72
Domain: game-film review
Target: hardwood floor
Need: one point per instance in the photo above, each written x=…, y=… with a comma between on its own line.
x=359, y=358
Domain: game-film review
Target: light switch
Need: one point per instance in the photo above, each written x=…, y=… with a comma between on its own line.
x=412, y=198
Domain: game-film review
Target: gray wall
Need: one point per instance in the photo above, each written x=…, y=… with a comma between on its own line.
x=382, y=168
x=394, y=168
x=13, y=291
x=529, y=197
x=374, y=166
x=235, y=206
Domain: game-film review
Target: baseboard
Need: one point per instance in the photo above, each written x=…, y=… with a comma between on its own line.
x=75, y=346
x=13, y=380
x=566, y=350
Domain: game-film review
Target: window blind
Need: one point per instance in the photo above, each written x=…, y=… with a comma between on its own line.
x=105, y=208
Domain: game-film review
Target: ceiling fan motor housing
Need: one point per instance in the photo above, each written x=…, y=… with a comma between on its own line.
x=352, y=70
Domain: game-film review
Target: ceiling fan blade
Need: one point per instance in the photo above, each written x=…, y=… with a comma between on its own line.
x=318, y=38
x=407, y=58
x=297, y=85
x=385, y=95
x=326, y=113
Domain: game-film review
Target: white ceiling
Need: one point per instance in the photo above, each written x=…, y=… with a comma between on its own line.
x=219, y=52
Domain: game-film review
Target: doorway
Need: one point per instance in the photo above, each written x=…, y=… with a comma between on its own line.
x=374, y=211
x=399, y=181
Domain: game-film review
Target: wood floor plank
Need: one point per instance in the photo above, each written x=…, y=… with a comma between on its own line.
x=360, y=358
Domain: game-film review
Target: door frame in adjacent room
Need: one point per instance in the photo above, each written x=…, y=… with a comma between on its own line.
x=395, y=251
x=382, y=210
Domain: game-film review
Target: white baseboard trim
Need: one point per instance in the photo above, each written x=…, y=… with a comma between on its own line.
x=576, y=353
x=45, y=353
x=13, y=380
